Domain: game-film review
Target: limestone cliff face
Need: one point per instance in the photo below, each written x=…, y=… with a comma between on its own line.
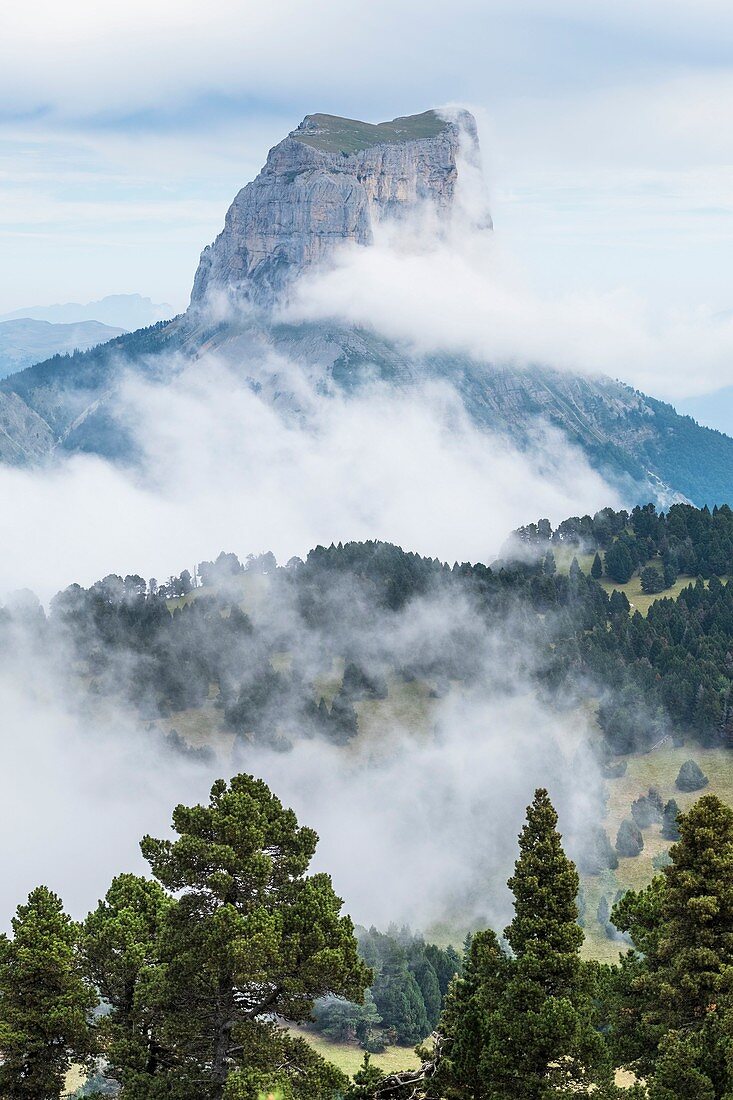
x=327, y=182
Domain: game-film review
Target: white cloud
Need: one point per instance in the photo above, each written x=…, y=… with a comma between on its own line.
x=434, y=818
x=464, y=294
x=415, y=825
x=172, y=50
x=223, y=470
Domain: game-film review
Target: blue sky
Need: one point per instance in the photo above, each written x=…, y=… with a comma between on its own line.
x=607, y=131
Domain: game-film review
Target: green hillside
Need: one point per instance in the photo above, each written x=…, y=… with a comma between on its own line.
x=657, y=769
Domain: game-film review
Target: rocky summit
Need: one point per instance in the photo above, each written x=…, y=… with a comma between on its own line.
x=328, y=182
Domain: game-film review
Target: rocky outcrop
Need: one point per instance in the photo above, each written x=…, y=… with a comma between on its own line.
x=25, y=437
x=331, y=181
x=327, y=182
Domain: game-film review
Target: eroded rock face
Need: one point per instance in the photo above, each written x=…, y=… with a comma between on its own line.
x=329, y=181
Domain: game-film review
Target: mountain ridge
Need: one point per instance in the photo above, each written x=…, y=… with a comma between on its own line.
x=25, y=340
x=123, y=311
x=641, y=445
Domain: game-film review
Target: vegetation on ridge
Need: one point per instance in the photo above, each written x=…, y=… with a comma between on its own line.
x=333, y=134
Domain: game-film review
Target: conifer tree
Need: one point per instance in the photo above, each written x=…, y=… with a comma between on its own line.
x=674, y=1012
x=45, y=1001
x=472, y=1000
x=596, y=569
x=522, y=1027
x=427, y=981
x=691, y=777
x=629, y=841
x=543, y=1042
x=365, y=1080
x=670, y=828
x=251, y=936
x=121, y=949
x=400, y=1003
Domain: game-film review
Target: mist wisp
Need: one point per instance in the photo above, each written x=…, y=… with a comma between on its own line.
x=418, y=813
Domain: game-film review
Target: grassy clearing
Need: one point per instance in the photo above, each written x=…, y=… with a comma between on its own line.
x=201, y=727
x=349, y=1056
x=250, y=591
x=408, y=706
x=655, y=769
x=639, y=600
x=327, y=685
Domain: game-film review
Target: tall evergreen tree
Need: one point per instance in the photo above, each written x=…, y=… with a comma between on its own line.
x=543, y=1043
x=472, y=1001
x=670, y=828
x=522, y=1028
x=619, y=562
x=400, y=1003
x=45, y=1001
x=596, y=569
x=427, y=980
x=674, y=1014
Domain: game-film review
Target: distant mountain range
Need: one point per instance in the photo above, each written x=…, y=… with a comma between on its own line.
x=329, y=181
x=26, y=341
x=121, y=311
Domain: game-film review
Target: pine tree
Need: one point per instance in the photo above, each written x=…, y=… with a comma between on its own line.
x=473, y=999
x=522, y=1028
x=678, y=1075
x=618, y=603
x=400, y=1004
x=250, y=937
x=427, y=980
x=45, y=1001
x=618, y=562
x=365, y=1081
x=596, y=569
x=697, y=910
x=543, y=1043
x=691, y=777
x=121, y=948
x=277, y=1065
x=674, y=1015
x=629, y=841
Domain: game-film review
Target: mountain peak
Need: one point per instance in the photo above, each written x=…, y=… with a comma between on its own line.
x=333, y=134
x=328, y=182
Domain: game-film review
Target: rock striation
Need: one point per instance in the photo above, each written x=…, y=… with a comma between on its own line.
x=329, y=181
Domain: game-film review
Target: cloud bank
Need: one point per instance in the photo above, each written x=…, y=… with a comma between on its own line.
x=417, y=818
x=462, y=293
x=416, y=825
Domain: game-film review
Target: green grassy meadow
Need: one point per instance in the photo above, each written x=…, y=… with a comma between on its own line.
x=349, y=1056
x=655, y=769
x=639, y=600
